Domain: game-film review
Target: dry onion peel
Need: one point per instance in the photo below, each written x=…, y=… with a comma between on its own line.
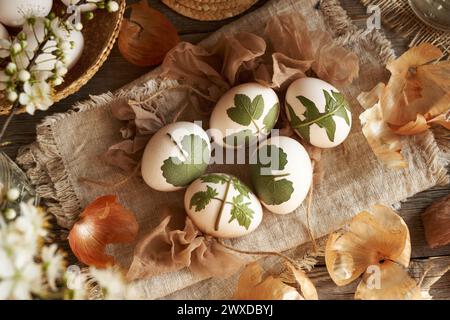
x=416, y=97
x=251, y=286
x=102, y=222
x=376, y=240
x=416, y=85
x=384, y=142
x=147, y=36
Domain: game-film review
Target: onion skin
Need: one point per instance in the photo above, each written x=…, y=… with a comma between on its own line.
x=147, y=36
x=102, y=222
x=436, y=221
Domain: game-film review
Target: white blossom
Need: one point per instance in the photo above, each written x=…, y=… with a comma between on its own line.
x=111, y=282
x=5, y=47
x=12, y=96
x=13, y=194
x=10, y=214
x=112, y=6
x=31, y=222
x=36, y=96
x=24, y=75
x=53, y=262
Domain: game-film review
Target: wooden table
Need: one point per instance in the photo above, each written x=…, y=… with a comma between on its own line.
x=117, y=72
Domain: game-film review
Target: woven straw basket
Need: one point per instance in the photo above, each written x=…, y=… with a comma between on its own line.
x=209, y=10
x=100, y=35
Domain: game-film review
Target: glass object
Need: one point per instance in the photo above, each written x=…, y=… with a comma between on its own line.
x=11, y=176
x=435, y=13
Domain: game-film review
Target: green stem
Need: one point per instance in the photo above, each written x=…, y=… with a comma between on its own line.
x=306, y=124
x=258, y=130
x=224, y=201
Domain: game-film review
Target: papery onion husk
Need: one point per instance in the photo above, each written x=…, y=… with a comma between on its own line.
x=373, y=240
x=102, y=222
x=251, y=286
x=385, y=144
x=394, y=284
x=436, y=222
x=417, y=84
x=147, y=36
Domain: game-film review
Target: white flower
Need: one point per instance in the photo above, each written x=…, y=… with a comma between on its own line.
x=10, y=214
x=53, y=262
x=11, y=68
x=112, y=6
x=16, y=48
x=13, y=194
x=32, y=222
x=5, y=46
x=24, y=75
x=12, y=96
x=4, y=78
x=89, y=6
x=19, y=277
x=36, y=96
x=111, y=282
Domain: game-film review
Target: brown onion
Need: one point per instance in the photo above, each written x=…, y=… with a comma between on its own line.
x=146, y=36
x=102, y=222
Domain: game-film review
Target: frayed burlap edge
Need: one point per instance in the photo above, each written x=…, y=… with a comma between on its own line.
x=46, y=169
x=398, y=15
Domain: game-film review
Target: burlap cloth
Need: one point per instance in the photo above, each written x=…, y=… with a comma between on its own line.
x=68, y=147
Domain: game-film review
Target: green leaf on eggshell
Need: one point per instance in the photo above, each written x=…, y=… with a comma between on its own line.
x=241, y=212
x=335, y=106
x=271, y=118
x=272, y=189
x=181, y=172
x=240, y=187
x=245, y=110
x=215, y=178
x=240, y=138
x=202, y=198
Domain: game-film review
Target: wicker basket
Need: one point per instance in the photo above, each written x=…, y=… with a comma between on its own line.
x=209, y=10
x=100, y=35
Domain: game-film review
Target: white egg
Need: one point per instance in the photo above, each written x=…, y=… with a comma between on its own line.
x=245, y=113
x=318, y=112
x=46, y=61
x=175, y=156
x=83, y=8
x=222, y=206
x=3, y=32
x=14, y=12
x=281, y=173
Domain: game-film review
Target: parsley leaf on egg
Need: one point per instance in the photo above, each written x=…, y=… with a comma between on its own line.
x=202, y=198
x=335, y=106
x=272, y=189
x=245, y=110
x=271, y=118
x=240, y=138
x=181, y=172
x=241, y=212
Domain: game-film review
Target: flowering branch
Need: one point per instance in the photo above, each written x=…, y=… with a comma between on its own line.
x=43, y=43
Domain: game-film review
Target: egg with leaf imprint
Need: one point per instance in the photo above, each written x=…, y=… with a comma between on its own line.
x=222, y=206
x=245, y=114
x=281, y=174
x=176, y=155
x=318, y=112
